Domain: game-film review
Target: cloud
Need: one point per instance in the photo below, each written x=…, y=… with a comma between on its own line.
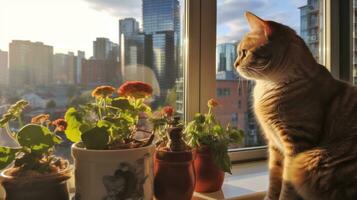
x=118, y=8
x=232, y=25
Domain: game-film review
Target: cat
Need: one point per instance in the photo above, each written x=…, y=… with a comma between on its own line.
x=308, y=118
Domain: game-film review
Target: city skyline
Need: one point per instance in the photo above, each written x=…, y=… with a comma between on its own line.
x=72, y=32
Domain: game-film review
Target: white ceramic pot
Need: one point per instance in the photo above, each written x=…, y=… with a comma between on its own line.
x=113, y=174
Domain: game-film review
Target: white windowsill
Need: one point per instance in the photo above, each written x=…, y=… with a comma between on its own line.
x=248, y=181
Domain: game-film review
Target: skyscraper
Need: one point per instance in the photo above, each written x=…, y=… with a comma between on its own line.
x=128, y=26
x=133, y=44
x=4, y=68
x=310, y=26
x=161, y=19
x=104, y=49
x=30, y=63
x=65, y=68
x=79, y=58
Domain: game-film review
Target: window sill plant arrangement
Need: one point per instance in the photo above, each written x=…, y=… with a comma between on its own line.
x=110, y=163
x=210, y=140
x=173, y=168
x=32, y=171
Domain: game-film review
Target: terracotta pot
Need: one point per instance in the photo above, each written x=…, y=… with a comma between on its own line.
x=49, y=186
x=209, y=178
x=174, y=175
x=113, y=174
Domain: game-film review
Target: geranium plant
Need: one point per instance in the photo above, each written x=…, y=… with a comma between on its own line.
x=206, y=131
x=110, y=122
x=161, y=121
x=35, y=143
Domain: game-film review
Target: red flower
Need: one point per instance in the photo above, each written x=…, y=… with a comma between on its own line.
x=212, y=103
x=135, y=89
x=103, y=91
x=168, y=111
x=60, y=124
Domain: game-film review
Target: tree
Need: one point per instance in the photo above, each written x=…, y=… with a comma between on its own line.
x=51, y=104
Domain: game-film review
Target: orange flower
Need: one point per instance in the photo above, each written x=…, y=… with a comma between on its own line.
x=40, y=119
x=168, y=111
x=103, y=91
x=212, y=103
x=60, y=124
x=135, y=89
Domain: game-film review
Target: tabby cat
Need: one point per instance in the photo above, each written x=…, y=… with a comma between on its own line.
x=308, y=117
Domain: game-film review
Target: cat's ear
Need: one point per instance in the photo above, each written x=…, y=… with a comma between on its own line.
x=257, y=24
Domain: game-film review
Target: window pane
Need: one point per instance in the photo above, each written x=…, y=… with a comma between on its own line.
x=233, y=91
x=53, y=53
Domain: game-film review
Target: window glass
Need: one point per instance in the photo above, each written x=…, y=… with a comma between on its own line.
x=304, y=16
x=53, y=53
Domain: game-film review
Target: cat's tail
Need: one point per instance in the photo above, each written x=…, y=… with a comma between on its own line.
x=317, y=175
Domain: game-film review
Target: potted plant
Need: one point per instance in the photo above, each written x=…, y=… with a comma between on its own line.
x=110, y=162
x=173, y=169
x=33, y=171
x=210, y=140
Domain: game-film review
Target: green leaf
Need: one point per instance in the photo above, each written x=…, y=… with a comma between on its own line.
x=37, y=138
x=72, y=118
x=7, y=155
x=122, y=103
x=74, y=135
x=96, y=138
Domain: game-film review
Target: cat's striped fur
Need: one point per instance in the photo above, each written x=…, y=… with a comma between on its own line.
x=308, y=117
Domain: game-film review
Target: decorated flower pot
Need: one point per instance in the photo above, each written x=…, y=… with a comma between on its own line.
x=113, y=174
x=50, y=186
x=209, y=178
x=174, y=175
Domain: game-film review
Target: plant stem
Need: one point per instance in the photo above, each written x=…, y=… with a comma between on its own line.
x=21, y=123
x=9, y=133
x=99, y=110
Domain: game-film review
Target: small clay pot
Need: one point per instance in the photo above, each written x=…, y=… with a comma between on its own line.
x=209, y=178
x=50, y=186
x=173, y=175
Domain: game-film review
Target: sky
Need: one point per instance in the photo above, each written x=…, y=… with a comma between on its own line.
x=71, y=25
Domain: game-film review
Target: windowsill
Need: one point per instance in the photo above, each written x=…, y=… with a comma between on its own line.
x=247, y=182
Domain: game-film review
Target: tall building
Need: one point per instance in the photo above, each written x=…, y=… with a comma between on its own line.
x=161, y=19
x=30, y=63
x=234, y=94
x=128, y=26
x=99, y=72
x=135, y=46
x=310, y=28
x=4, y=68
x=225, y=56
x=78, y=66
x=64, y=68
x=104, y=49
